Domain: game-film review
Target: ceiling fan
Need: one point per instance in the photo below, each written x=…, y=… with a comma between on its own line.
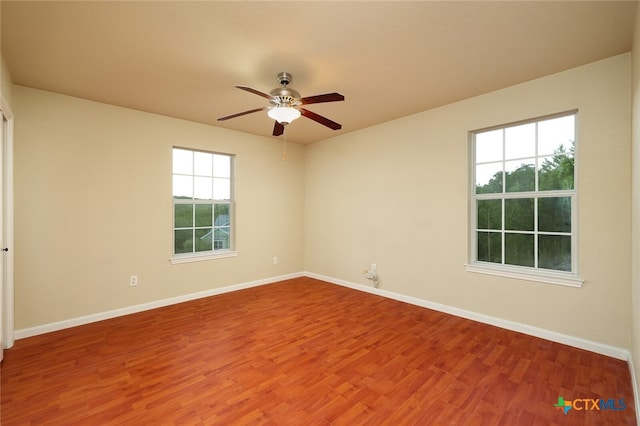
x=285, y=105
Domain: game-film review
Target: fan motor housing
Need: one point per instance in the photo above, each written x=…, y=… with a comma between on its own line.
x=284, y=95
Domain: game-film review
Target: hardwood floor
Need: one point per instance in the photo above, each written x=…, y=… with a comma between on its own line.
x=305, y=352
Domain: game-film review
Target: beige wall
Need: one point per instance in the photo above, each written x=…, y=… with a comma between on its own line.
x=396, y=194
x=93, y=206
x=635, y=207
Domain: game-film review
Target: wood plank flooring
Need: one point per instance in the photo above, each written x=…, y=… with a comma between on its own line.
x=304, y=352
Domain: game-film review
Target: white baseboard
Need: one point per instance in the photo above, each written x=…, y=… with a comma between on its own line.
x=87, y=319
x=553, y=336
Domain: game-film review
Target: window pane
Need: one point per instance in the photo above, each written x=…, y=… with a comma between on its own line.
x=202, y=164
x=556, y=133
x=221, y=215
x=183, y=215
x=204, y=215
x=221, y=189
x=204, y=239
x=520, y=176
x=182, y=161
x=221, y=236
x=222, y=166
x=489, y=214
x=202, y=188
x=520, y=141
x=554, y=214
x=182, y=187
x=489, y=247
x=488, y=146
x=518, y=249
x=556, y=172
x=222, y=230
x=489, y=178
x=554, y=252
x=519, y=214
x=183, y=241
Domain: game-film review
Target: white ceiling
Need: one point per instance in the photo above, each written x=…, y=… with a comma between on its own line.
x=389, y=59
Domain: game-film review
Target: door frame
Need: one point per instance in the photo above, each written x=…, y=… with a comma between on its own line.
x=8, y=290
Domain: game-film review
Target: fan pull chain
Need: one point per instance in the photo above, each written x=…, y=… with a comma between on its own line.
x=284, y=144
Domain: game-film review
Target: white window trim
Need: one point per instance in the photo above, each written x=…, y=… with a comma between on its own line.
x=559, y=278
x=568, y=279
x=191, y=257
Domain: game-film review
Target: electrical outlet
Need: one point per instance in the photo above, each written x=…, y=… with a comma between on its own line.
x=133, y=280
x=275, y=260
x=374, y=268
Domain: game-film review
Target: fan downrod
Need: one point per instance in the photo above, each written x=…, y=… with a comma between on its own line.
x=285, y=78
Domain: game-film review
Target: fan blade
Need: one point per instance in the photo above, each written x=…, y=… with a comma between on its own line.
x=241, y=113
x=254, y=91
x=327, y=97
x=278, y=129
x=320, y=119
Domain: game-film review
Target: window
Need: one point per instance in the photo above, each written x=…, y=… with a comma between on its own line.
x=202, y=204
x=523, y=199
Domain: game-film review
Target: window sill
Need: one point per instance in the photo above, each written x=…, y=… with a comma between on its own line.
x=175, y=260
x=559, y=278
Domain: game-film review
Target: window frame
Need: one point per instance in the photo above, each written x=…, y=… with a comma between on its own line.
x=197, y=256
x=535, y=273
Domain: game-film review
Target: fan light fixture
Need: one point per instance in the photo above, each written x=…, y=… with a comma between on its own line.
x=283, y=115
